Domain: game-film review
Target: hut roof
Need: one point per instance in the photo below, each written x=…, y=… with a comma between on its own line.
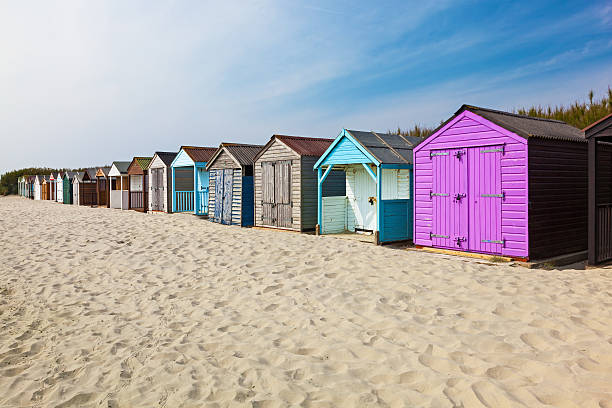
x=387, y=148
x=305, y=146
x=143, y=162
x=199, y=154
x=527, y=126
x=70, y=174
x=243, y=153
x=599, y=126
x=122, y=166
x=102, y=171
x=166, y=157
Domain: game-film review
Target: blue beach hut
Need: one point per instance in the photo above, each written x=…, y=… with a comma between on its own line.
x=378, y=196
x=231, y=184
x=190, y=179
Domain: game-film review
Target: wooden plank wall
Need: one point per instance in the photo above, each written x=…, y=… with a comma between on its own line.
x=278, y=151
x=334, y=185
x=224, y=161
x=237, y=198
x=557, y=197
x=471, y=130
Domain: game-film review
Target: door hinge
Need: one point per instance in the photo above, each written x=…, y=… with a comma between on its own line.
x=438, y=154
x=501, y=149
x=493, y=241
x=502, y=195
x=459, y=153
x=432, y=235
x=432, y=194
x=459, y=240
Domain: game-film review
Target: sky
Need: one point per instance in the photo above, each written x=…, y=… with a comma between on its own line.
x=86, y=83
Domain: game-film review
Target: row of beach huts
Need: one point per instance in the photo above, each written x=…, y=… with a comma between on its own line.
x=485, y=181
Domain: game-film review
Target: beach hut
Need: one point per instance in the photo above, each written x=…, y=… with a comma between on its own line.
x=118, y=185
x=231, y=199
x=84, y=188
x=32, y=183
x=378, y=197
x=38, y=187
x=102, y=187
x=20, y=183
x=59, y=187
x=285, y=182
x=46, y=191
x=52, y=188
x=67, y=187
x=599, y=137
x=499, y=183
x=190, y=179
x=138, y=183
x=160, y=182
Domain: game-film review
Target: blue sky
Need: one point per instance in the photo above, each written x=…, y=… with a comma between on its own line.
x=86, y=83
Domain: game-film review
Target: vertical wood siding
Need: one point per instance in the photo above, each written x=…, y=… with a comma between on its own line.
x=278, y=152
x=158, y=163
x=557, y=197
x=470, y=130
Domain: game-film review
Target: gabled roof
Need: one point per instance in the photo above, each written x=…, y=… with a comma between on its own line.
x=385, y=147
x=90, y=174
x=165, y=157
x=102, y=171
x=69, y=174
x=526, y=126
x=242, y=154
x=199, y=154
x=121, y=166
x=597, y=128
x=301, y=145
x=78, y=177
x=141, y=162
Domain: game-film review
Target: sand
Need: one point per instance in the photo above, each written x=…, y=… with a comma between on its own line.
x=111, y=308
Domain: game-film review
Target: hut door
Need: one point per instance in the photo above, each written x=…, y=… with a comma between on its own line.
x=228, y=184
x=485, y=199
x=449, y=199
x=218, y=195
x=268, y=210
x=365, y=204
x=282, y=193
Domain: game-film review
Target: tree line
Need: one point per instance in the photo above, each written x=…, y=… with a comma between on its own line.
x=8, y=180
x=578, y=114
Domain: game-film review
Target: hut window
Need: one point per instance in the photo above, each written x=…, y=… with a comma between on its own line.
x=395, y=184
x=183, y=179
x=114, y=183
x=136, y=183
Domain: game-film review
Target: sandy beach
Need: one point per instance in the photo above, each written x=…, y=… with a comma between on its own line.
x=111, y=308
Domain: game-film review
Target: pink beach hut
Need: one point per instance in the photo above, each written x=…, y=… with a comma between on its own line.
x=499, y=183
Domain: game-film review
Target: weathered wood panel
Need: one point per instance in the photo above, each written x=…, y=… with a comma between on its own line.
x=224, y=161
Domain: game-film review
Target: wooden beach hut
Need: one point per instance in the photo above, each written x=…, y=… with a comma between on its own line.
x=84, y=188
x=599, y=137
x=67, y=187
x=160, y=182
x=286, y=183
x=499, y=183
x=46, y=190
x=38, y=187
x=20, y=185
x=52, y=188
x=31, y=180
x=378, y=197
x=118, y=185
x=138, y=178
x=59, y=187
x=102, y=187
x=231, y=198
x=190, y=179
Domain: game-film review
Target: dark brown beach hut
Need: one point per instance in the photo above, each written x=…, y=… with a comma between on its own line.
x=102, y=187
x=599, y=137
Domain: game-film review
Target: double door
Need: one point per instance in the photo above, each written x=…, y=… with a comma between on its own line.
x=276, y=203
x=467, y=199
x=224, y=186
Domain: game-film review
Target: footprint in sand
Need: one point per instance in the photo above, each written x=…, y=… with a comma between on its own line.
x=534, y=340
